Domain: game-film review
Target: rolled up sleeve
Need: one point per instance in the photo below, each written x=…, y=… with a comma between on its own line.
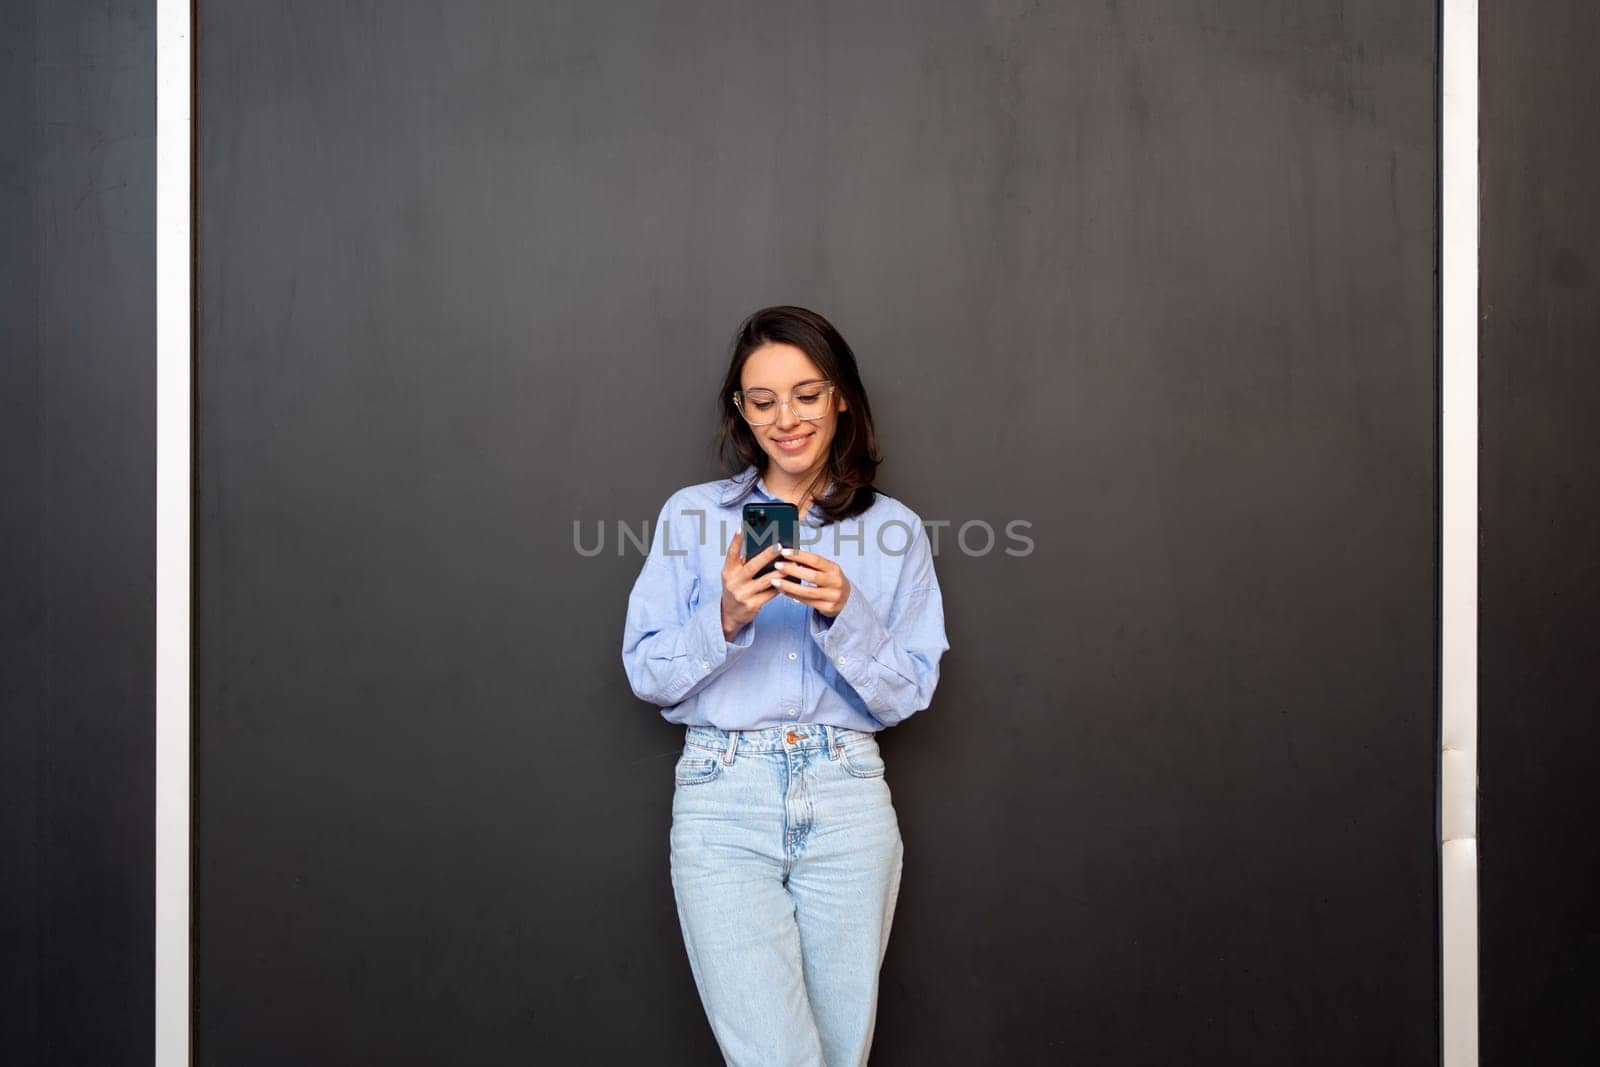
x=672, y=641
x=892, y=663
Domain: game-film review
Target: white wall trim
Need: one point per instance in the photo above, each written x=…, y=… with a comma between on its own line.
x=1458, y=608
x=174, y=200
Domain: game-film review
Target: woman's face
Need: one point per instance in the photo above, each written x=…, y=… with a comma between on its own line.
x=798, y=446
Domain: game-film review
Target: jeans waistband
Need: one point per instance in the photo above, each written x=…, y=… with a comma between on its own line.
x=773, y=738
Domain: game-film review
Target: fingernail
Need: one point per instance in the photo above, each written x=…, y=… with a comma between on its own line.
x=788, y=552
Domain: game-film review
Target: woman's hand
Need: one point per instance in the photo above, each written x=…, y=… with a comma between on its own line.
x=831, y=588
x=743, y=594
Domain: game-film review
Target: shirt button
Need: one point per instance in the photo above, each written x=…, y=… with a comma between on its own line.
x=791, y=655
x=705, y=663
x=794, y=713
x=843, y=660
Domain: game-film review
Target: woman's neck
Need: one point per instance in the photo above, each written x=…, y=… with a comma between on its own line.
x=782, y=484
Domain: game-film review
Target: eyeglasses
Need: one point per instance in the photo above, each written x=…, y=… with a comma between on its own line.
x=810, y=401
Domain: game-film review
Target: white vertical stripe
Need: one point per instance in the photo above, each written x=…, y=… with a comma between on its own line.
x=1458, y=609
x=173, y=420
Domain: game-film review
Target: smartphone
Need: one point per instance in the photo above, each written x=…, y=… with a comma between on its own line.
x=765, y=524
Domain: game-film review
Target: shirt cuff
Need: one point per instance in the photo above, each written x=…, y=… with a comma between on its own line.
x=706, y=646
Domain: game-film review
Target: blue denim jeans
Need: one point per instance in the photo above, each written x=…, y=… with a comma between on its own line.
x=786, y=858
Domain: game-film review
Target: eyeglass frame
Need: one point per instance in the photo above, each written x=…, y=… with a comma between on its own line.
x=738, y=398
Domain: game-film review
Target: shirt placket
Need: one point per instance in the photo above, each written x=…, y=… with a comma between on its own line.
x=793, y=661
x=797, y=663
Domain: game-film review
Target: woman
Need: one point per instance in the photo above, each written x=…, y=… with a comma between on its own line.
x=785, y=848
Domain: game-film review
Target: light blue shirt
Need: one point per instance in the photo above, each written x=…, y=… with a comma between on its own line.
x=873, y=665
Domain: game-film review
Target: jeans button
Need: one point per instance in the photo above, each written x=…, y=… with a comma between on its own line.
x=791, y=737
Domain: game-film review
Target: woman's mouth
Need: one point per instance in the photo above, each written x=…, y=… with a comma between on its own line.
x=792, y=444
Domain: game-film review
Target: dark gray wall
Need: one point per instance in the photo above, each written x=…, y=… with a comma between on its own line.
x=77, y=533
x=1158, y=279
x=1540, y=532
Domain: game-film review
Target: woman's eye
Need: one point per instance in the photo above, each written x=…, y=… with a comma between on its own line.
x=761, y=405
x=812, y=399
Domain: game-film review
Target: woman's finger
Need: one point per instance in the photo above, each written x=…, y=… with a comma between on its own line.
x=810, y=559
x=808, y=593
x=828, y=600
x=806, y=574
x=755, y=591
x=760, y=560
x=824, y=600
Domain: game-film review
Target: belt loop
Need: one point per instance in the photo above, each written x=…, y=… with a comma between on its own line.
x=833, y=744
x=727, y=755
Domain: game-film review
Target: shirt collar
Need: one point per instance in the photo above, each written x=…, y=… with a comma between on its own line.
x=757, y=487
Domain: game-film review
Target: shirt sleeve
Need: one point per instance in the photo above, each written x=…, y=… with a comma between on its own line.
x=672, y=642
x=892, y=663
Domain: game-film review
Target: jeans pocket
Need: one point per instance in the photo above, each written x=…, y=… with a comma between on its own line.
x=696, y=766
x=862, y=758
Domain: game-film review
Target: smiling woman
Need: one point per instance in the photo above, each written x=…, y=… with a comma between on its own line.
x=797, y=411
x=785, y=847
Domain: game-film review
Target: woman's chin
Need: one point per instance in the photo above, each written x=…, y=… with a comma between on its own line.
x=791, y=463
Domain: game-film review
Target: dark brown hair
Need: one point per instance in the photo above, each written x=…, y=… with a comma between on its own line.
x=852, y=454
